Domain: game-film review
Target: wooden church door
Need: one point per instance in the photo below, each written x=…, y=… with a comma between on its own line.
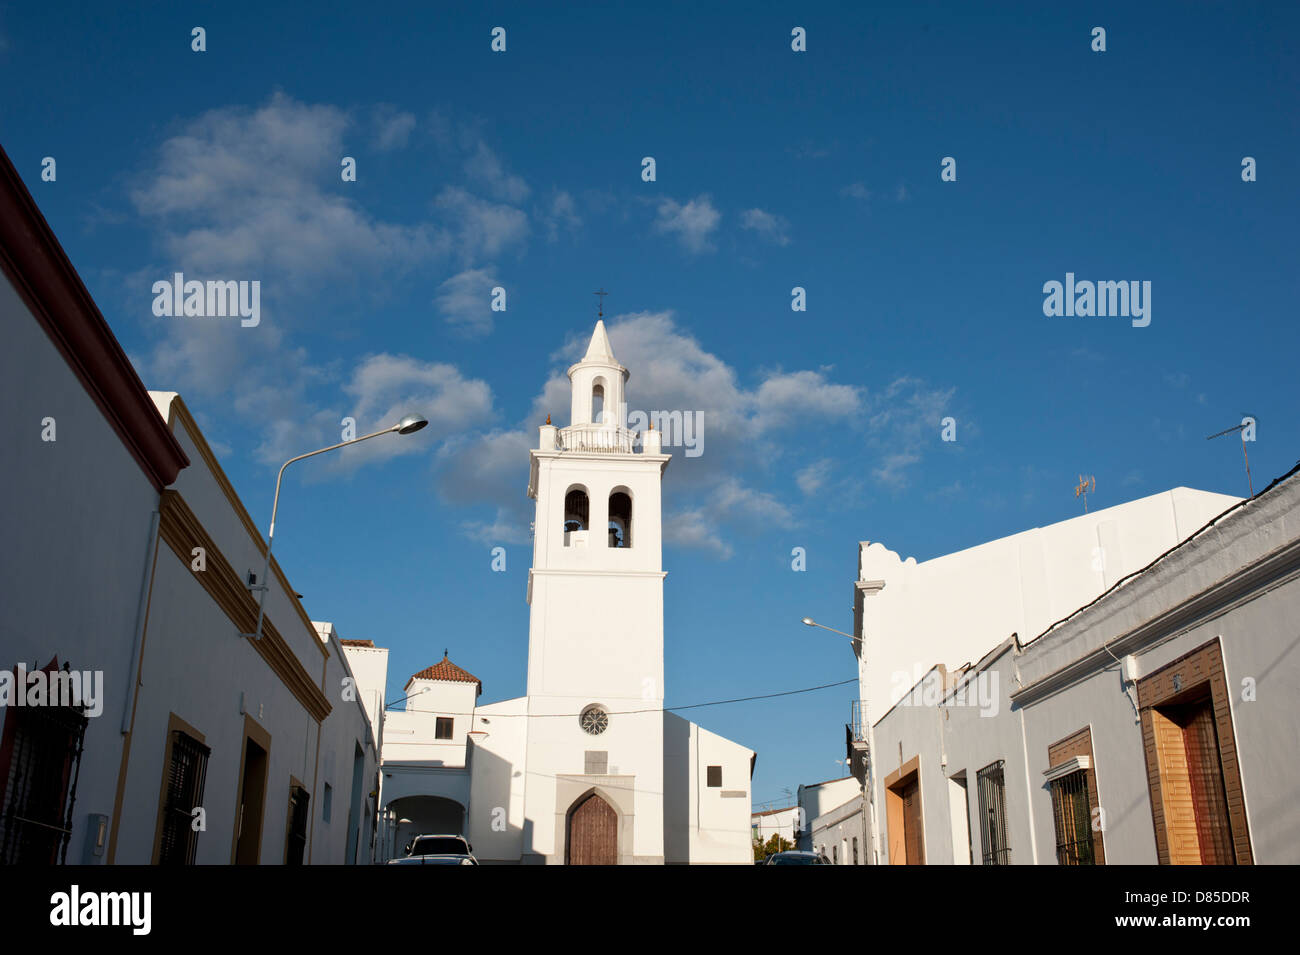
x=592, y=837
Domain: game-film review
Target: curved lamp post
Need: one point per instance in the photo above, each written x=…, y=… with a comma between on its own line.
x=868, y=780
x=408, y=425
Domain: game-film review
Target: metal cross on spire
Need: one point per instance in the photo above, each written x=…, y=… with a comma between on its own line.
x=600, y=294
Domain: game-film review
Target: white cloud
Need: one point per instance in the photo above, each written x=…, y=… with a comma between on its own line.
x=484, y=167
x=382, y=389
x=241, y=192
x=483, y=227
x=693, y=529
x=803, y=397
x=561, y=214
x=893, y=468
x=692, y=223
x=465, y=301
x=856, y=190
x=392, y=127
x=773, y=228
x=811, y=478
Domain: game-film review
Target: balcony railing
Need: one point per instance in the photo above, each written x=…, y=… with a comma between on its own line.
x=856, y=726
x=856, y=746
x=602, y=439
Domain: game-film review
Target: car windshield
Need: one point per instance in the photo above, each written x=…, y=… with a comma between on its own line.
x=792, y=860
x=438, y=845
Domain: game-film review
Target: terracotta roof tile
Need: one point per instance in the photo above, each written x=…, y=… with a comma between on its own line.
x=358, y=643
x=444, y=669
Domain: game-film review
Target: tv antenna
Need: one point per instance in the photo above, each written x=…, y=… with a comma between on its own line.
x=600, y=294
x=1085, y=485
x=1247, y=422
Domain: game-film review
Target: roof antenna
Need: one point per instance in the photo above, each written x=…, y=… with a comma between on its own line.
x=600, y=294
x=1247, y=426
x=1083, y=489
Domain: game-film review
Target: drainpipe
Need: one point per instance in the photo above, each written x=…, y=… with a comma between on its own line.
x=141, y=619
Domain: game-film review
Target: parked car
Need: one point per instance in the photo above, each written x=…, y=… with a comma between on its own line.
x=437, y=850
x=797, y=857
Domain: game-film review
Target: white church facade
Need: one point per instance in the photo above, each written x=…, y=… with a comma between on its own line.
x=587, y=768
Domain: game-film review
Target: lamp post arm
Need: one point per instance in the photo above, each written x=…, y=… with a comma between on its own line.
x=262, y=584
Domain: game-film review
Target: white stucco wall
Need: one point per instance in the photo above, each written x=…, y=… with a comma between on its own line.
x=1236, y=585
x=78, y=513
x=816, y=799
x=1255, y=629
x=954, y=608
x=838, y=833
x=196, y=666
x=782, y=822
x=705, y=825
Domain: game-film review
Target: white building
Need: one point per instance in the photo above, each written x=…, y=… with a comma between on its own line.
x=1151, y=722
x=830, y=813
x=126, y=561
x=587, y=767
x=782, y=822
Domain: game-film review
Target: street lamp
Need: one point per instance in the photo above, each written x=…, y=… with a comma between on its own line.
x=867, y=780
x=810, y=622
x=409, y=424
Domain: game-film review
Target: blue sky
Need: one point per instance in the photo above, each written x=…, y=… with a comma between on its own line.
x=775, y=169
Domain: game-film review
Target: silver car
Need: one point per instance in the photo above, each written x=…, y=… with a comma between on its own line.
x=797, y=857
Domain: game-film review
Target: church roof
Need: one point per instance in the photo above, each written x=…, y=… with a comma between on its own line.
x=444, y=669
x=599, y=349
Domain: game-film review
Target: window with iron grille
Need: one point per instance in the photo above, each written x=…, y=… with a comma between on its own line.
x=993, y=814
x=1071, y=810
x=297, y=839
x=442, y=730
x=595, y=762
x=186, y=774
x=40, y=782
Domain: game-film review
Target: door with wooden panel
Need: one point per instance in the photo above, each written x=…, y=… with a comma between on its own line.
x=592, y=837
x=1191, y=776
x=911, y=796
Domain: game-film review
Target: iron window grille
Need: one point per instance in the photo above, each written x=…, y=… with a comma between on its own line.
x=443, y=727
x=993, y=814
x=186, y=776
x=40, y=786
x=1072, y=814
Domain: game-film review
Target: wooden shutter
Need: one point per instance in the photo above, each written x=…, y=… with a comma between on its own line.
x=186, y=772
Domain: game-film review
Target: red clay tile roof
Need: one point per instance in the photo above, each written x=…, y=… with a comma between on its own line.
x=444, y=669
x=358, y=643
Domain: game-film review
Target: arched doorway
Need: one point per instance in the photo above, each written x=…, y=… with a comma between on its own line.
x=425, y=816
x=591, y=832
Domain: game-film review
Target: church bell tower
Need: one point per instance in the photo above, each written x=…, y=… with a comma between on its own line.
x=595, y=592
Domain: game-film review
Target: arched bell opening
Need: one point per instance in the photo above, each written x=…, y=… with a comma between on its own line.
x=620, y=518
x=577, y=514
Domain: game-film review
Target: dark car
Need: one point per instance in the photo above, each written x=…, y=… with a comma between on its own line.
x=437, y=850
x=797, y=857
